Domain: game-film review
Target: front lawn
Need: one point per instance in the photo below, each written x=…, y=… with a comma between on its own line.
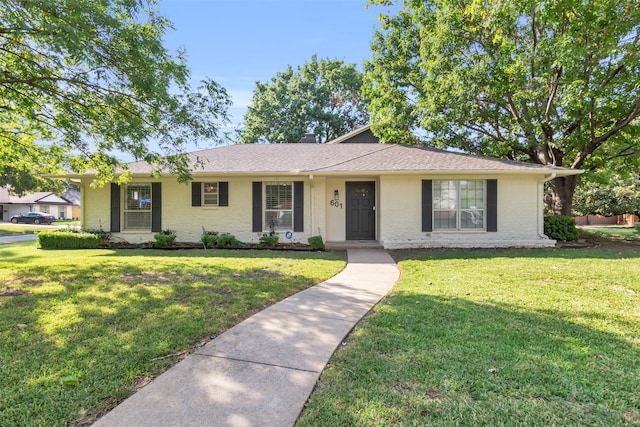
x=494, y=337
x=610, y=232
x=80, y=330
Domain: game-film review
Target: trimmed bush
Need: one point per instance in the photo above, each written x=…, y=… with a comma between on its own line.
x=226, y=240
x=104, y=236
x=561, y=227
x=68, y=240
x=269, y=240
x=164, y=239
x=316, y=243
x=209, y=239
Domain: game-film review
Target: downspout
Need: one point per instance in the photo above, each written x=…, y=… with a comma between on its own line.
x=313, y=196
x=541, y=204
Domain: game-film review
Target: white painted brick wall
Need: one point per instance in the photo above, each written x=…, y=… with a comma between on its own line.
x=518, y=214
x=399, y=218
x=188, y=221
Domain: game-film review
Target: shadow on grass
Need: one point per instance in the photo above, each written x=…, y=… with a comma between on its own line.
x=433, y=360
x=223, y=253
x=105, y=323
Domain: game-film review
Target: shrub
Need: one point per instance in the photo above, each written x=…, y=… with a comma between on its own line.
x=209, y=239
x=316, y=243
x=226, y=240
x=68, y=240
x=638, y=227
x=104, y=236
x=269, y=240
x=164, y=239
x=561, y=227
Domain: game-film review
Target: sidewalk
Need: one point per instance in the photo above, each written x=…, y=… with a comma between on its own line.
x=17, y=238
x=262, y=371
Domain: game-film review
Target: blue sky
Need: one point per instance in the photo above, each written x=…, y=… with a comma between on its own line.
x=239, y=42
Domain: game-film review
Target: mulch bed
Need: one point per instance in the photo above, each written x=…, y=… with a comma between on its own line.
x=185, y=246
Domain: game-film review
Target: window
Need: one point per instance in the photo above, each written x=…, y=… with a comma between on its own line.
x=137, y=207
x=278, y=212
x=458, y=205
x=209, y=194
x=44, y=208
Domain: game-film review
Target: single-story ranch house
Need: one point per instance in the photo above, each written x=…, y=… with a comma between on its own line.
x=397, y=195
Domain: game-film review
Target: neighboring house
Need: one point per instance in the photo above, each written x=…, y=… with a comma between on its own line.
x=398, y=195
x=66, y=206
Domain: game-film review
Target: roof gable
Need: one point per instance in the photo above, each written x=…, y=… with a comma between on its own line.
x=360, y=135
x=71, y=197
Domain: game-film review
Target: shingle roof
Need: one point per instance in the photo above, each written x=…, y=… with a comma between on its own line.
x=6, y=197
x=34, y=198
x=345, y=158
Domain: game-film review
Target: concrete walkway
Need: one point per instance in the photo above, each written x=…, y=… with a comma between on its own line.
x=262, y=371
x=17, y=238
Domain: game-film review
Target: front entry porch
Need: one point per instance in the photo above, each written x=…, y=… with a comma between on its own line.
x=352, y=244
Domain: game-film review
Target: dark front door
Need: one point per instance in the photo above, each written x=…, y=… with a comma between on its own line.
x=361, y=215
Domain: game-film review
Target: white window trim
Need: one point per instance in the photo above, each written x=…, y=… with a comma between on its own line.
x=459, y=210
x=217, y=193
x=265, y=224
x=123, y=220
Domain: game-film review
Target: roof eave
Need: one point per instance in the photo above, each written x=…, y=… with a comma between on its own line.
x=298, y=172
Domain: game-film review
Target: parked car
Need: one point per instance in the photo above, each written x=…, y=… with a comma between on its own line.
x=33, y=218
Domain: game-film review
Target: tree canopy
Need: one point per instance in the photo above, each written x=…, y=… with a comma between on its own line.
x=85, y=81
x=322, y=97
x=553, y=83
x=617, y=196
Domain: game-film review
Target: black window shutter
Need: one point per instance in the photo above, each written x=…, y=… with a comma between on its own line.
x=257, y=206
x=196, y=194
x=115, y=208
x=298, y=206
x=427, y=205
x=492, y=205
x=156, y=207
x=223, y=194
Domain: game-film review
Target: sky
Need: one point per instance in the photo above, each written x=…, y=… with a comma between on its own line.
x=239, y=42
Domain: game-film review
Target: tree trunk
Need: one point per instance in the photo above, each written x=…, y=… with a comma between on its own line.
x=562, y=194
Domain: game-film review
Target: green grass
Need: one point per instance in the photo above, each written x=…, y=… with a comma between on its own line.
x=10, y=230
x=494, y=337
x=70, y=222
x=79, y=329
x=616, y=232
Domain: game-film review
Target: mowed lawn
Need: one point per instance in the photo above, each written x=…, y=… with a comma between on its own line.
x=80, y=330
x=494, y=338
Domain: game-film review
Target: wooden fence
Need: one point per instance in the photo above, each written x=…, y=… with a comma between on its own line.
x=628, y=220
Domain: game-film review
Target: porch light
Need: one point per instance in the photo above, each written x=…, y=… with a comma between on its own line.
x=336, y=195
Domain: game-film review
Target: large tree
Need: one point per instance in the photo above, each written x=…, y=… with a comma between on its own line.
x=554, y=83
x=321, y=97
x=85, y=81
x=615, y=194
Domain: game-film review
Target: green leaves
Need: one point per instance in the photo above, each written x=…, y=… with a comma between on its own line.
x=322, y=97
x=617, y=196
x=86, y=76
x=550, y=83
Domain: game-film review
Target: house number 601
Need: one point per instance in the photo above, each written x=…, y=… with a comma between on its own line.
x=336, y=204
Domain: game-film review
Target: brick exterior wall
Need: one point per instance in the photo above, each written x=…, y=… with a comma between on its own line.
x=519, y=215
x=398, y=212
x=188, y=221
